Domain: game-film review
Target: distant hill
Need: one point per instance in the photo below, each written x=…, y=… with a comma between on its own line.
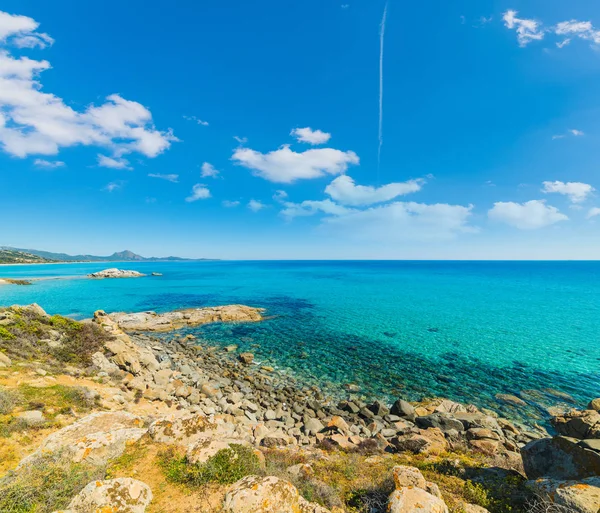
x=11, y=256
x=48, y=256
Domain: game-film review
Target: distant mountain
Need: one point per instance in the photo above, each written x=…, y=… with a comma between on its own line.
x=120, y=256
x=11, y=256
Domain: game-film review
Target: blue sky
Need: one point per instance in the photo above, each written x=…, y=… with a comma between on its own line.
x=251, y=129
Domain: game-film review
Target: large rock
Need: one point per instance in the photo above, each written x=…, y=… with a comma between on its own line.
x=575, y=496
x=405, y=476
x=425, y=441
x=254, y=494
x=152, y=321
x=414, y=494
x=560, y=458
x=205, y=448
x=185, y=429
x=443, y=421
x=121, y=495
x=104, y=364
x=116, y=273
x=594, y=404
x=403, y=409
x=578, y=424
x=5, y=361
x=95, y=439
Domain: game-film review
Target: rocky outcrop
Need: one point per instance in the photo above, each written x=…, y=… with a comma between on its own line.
x=121, y=495
x=254, y=494
x=116, y=273
x=414, y=493
x=152, y=321
x=94, y=439
x=575, y=496
x=578, y=424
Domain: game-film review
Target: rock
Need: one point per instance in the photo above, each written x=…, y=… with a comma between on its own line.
x=575, y=496
x=156, y=274
x=560, y=458
x=116, y=273
x=121, y=495
x=310, y=507
x=510, y=399
x=403, y=409
x=447, y=406
x=378, y=409
x=5, y=361
x=103, y=364
x=594, y=405
x=31, y=418
x=254, y=494
x=338, y=423
x=408, y=476
x=246, y=358
x=96, y=439
x=313, y=426
x=472, y=508
x=206, y=448
x=182, y=429
x=442, y=421
x=578, y=424
x=413, y=500
x=151, y=321
x=426, y=441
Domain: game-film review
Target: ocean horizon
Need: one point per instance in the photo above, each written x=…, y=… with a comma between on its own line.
x=466, y=330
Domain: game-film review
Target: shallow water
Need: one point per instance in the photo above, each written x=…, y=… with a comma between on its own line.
x=464, y=330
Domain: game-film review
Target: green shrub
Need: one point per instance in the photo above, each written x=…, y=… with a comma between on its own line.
x=9, y=399
x=476, y=494
x=225, y=467
x=45, y=486
x=5, y=334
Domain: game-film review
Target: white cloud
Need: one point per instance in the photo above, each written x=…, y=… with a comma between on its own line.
x=113, y=163
x=241, y=140
x=528, y=30
x=199, y=191
x=526, y=216
x=576, y=191
x=113, y=186
x=581, y=29
x=557, y=137
x=400, y=221
x=256, y=205
x=169, y=178
x=280, y=196
x=576, y=133
x=21, y=31
x=209, y=171
x=563, y=43
x=593, y=212
x=310, y=136
x=343, y=190
x=48, y=164
x=36, y=122
x=309, y=208
x=230, y=204
x=287, y=166
x=197, y=120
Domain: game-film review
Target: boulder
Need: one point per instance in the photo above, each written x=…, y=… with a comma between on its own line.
x=442, y=421
x=254, y=494
x=246, y=358
x=581, y=496
x=95, y=439
x=594, y=405
x=560, y=458
x=103, y=364
x=414, y=494
x=338, y=423
x=313, y=426
x=578, y=424
x=32, y=417
x=183, y=429
x=425, y=441
x=5, y=361
x=404, y=410
x=121, y=495
x=205, y=448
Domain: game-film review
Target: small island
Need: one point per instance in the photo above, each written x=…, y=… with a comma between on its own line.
x=116, y=273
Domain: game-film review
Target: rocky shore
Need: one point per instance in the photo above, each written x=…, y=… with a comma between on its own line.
x=220, y=400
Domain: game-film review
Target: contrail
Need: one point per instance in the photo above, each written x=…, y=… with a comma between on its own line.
x=381, y=41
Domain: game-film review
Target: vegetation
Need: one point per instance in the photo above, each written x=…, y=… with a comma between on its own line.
x=12, y=256
x=225, y=467
x=48, y=485
x=53, y=339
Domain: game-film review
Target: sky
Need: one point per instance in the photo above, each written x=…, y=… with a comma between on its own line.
x=301, y=130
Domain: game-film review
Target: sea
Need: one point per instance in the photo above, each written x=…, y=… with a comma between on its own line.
x=467, y=331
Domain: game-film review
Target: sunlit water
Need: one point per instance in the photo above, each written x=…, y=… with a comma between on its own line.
x=463, y=330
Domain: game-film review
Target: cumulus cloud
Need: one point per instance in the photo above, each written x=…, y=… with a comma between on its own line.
x=113, y=163
x=48, y=164
x=577, y=192
x=309, y=208
x=169, y=178
x=310, y=136
x=255, y=205
x=287, y=166
x=209, y=171
x=35, y=122
x=199, y=192
x=345, y=191
x=526, y=216
x=593, y=212
x=528, y=30
x=581, y=29
x=230, y=204
x=404, y=221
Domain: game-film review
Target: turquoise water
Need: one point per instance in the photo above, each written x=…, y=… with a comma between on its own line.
x=464, y=330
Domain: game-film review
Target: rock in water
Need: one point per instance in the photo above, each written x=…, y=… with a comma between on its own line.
x=121, y=495
x=116, y=273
